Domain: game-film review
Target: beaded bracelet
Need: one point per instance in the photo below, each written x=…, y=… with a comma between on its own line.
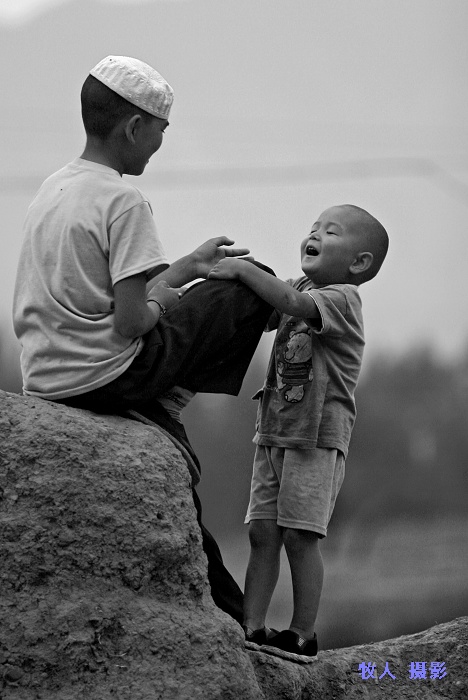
x=161, y=306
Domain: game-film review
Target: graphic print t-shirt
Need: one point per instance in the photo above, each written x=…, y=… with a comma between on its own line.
x=308, y=397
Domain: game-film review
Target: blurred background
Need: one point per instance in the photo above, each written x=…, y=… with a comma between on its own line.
x=282, y=110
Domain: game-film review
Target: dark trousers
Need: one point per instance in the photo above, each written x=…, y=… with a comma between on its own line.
x=204, y=344
x=225, y=592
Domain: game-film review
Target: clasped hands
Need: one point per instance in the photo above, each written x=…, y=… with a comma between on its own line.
x=222, y=263
x=211, y=260
x=228, y=269
x=216, y=262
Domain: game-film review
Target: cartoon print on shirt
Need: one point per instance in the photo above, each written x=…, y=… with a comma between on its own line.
x=294, y=367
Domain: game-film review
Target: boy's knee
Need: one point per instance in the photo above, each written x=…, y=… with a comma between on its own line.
x=295, y=540
x=264, y=533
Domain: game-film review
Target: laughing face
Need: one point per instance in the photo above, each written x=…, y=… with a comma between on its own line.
x=332, y=246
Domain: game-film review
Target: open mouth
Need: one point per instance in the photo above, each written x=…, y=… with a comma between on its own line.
x=311, y=250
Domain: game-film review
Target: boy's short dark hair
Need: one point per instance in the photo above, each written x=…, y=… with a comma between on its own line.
x=102, y=108
x=375, y=238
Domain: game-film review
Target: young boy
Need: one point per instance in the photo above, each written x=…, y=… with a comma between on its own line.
x=306, y=415
x=96, y=307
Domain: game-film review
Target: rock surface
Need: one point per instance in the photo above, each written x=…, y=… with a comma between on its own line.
x=336, y=674
x=104, y=593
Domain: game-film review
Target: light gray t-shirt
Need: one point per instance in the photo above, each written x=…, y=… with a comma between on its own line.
x=308, y=397
x=85, y=230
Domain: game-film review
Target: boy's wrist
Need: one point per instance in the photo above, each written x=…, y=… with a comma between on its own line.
x=155, y=310
x=187, y=269
x=245, y=270
x=162, y=308
x=195, y=266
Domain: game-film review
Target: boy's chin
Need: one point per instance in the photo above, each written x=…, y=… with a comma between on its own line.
x=136, y=169
x=308, y=273
x=315, y=277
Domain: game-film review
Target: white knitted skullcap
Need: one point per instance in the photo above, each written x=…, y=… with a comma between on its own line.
x=137, y=82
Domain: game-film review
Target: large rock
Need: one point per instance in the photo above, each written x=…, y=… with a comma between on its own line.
x=103, y=581
x=102, y=574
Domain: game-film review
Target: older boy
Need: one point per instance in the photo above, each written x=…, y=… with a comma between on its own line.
x=306, y=415
x=94, y=333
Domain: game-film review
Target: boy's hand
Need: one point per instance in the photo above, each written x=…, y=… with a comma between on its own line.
x=227, y=269
x=167, y=296
x=211, y=252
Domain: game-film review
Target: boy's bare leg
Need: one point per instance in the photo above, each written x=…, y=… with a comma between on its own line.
x=305, y=560
x=266, y=540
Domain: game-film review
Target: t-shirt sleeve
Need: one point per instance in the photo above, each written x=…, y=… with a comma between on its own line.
x=134, y=244
x=339, y=307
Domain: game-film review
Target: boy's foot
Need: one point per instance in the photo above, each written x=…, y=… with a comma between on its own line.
x=291, y=646
x=255, y=638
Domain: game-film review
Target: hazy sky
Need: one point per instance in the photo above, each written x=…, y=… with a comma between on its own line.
x=282, y=109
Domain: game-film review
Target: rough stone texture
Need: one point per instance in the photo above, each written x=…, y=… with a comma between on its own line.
x=102, y=576
x=336, y=675
x=103, y=581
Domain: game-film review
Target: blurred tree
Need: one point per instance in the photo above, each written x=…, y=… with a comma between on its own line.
x=409, y=452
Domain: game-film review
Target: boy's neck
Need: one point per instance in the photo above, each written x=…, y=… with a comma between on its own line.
x=315, y=285
x=318, y=285
x=103, y=154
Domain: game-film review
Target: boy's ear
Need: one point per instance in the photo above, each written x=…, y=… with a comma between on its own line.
x=131, y=127
x=362, y=262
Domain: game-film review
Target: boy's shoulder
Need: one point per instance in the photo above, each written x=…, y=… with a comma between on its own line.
x=97, y=179
x=304, y=284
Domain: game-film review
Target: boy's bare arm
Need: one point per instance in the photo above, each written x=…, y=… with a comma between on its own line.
x=134, y=315
x=197, y=265
x=276, y=292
